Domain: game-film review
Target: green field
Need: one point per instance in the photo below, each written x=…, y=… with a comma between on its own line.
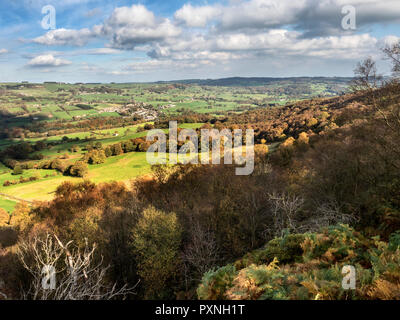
x=65, y=108
x=7, y=205
x=55, y=101
x=119, y=168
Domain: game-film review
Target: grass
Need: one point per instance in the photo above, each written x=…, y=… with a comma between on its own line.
x=41, y=190
x=191, y=125
x=7, y=205
x=104, y=136
x=119, y=168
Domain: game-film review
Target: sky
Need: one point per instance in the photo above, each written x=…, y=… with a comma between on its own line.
x=152, y=40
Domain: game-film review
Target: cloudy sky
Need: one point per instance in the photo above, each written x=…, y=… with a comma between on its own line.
x=149, y=40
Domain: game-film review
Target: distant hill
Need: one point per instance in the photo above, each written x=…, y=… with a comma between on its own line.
x=261, y=81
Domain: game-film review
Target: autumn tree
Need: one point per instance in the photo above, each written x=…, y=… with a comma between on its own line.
x=155, y=241
x=117, y=149
x=95, y=157
x=79, y=169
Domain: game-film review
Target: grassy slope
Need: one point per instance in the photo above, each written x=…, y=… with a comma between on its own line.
x=119, y=168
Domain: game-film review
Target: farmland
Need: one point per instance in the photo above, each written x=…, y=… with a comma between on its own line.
x=117, y=168
x=61, y=122
x=57, y=101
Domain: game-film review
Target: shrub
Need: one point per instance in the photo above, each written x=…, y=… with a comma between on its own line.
x=58, y=165
x=18, y=170
x=95, y=157
x=302, y=139
x=116, y=149
x=315, y=272
x=108, y=152
x=215, y=284
x=128, y=146
x=79, y=169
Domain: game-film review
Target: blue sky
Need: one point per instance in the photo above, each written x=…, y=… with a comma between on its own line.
x=120, y=41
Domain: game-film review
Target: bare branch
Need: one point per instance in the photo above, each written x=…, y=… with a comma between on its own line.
x=78, y=276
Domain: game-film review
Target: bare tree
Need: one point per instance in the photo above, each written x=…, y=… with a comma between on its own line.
x=77, y=275
x=368, y=80
x=366, y=76
x=392, y=116
x=201, y=254
x=327, y=214
x=284, y=209
x=392, y=52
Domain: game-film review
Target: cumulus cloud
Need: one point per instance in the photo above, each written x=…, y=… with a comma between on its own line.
x=128, y=27
x=61, y=37
x=216, y=34
x=47, y=60
x=312, y=17
x=261, y=14
x=3, y=51
x=101, y=51
x=276, y=42
x=197, y=16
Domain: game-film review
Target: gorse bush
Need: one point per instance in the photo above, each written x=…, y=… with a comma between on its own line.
x=215, y=283
x=287, y=250
x=317, y=273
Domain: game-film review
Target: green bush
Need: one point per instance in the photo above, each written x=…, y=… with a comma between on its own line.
x=79, y=169
x=215, y=283
x=314, y=272
x=18, y=170
x=286, y=250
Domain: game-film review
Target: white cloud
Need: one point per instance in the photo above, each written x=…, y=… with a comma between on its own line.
x=61, y=37
x=128, y=27
x=389, y=40
x=261, y=13
x=314, y=17
x=3, y=51
x=197, y=16
x=47, y=60
x=102, y=51
x=118, y=73
x=251, y=30
x=276, y=42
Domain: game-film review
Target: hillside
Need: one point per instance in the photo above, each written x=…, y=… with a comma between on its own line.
x=264, y=228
